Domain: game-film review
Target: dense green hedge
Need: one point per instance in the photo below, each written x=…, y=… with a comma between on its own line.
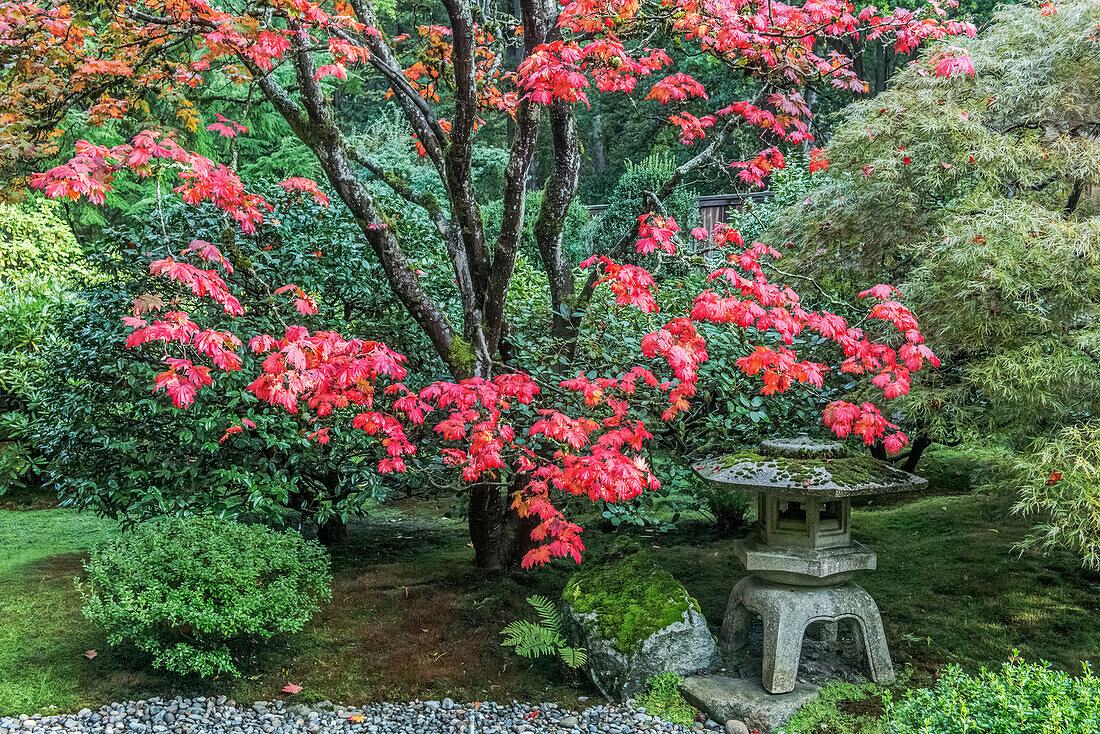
x=1021, y=698
x=198, y=593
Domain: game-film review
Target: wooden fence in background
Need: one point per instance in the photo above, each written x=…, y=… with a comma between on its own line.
x=712, y=209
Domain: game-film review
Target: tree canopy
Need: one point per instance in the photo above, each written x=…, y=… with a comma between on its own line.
x=153, y=68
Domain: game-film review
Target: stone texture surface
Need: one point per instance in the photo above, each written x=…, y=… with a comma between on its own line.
x=754, y=476
x=744, y=699
x=801, y=448
x=683, y=647
x=787, y=613
x=804, y=566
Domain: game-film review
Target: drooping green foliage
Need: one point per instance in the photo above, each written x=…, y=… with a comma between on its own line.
x=198, y=594
x=1020, y=698
x=975, y=196
x=969, y=193
x=1058, y=481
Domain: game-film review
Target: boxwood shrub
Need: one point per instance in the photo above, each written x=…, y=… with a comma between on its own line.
x=1021, y=698
x=198, y=593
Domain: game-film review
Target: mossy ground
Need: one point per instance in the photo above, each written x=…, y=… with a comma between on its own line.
x=632, y=598
x=843, y=708
x=662, y=698
x=411, y=619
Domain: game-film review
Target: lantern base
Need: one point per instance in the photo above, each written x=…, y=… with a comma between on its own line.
x=787, y=612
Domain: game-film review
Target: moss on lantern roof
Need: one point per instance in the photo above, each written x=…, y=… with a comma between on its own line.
x=859, y=469
x=631, y=597
x=847, y=475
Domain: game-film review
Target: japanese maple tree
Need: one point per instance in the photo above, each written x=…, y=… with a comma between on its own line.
x=597, y=450
x=63, y=69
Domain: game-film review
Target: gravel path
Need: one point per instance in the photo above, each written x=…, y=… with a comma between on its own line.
x=220, y=716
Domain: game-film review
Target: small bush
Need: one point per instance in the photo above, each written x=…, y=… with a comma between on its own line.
x=729, y=507
x=1020, y=699
x=196, y=593
x=662, y=698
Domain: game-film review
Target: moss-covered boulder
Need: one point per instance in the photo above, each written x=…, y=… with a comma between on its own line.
x=636, y=621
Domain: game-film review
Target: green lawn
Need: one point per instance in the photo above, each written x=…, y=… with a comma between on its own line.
x=42, y=635
x=411, y=619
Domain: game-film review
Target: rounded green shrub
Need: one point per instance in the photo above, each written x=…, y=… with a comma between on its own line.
x=1021, y=698
x=199, y=592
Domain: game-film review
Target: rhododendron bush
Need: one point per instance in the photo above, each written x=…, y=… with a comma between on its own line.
x=156, y=64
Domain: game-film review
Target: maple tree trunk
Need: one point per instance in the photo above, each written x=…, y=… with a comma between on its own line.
x=519, y=540
x=920, y=443
x=487, y=527
x=560, y=189
x=500, y=537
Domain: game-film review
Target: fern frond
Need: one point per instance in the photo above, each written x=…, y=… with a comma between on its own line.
x=533, y=640
x=547, y=611
x=515, y=632
x=530, y=639
x=573, y=657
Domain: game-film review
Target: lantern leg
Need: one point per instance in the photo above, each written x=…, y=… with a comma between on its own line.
x=787, y=612
x=783, y=634
x=871, y=639
x=737, y=620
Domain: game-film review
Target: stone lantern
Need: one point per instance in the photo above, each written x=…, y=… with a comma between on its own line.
x=802, y=560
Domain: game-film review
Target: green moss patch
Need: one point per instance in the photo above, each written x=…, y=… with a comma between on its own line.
x=663, y=698
x=632, y=598
x=847, y=471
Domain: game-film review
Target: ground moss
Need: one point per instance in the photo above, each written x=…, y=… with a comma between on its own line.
x=632, y=598
x=845, y=471
x=844, y=708
x=663, y=698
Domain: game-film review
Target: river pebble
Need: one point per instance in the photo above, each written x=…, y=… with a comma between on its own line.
x=223, y=716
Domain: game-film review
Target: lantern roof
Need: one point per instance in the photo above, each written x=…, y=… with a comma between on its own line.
x=805, y=467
